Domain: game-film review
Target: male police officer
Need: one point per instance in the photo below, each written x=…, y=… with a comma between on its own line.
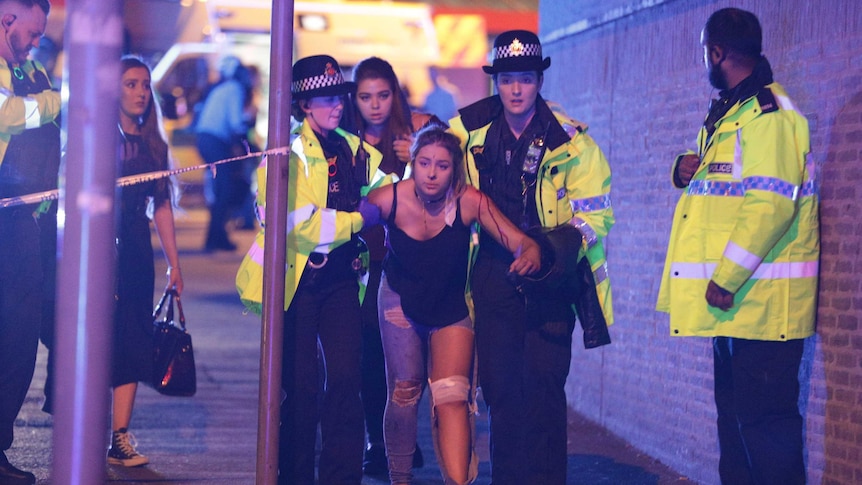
x=742, y=263
x=30, y=154
x=542, y=170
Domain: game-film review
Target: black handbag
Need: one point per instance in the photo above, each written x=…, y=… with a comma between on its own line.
x=173, y=356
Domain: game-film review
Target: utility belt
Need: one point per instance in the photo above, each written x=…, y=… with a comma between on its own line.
x=340, y=264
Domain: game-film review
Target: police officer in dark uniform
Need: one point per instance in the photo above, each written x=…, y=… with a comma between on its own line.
x=30, y=149
x=546, y=174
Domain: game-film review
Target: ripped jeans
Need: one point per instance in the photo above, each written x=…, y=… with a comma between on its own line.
x=405, y=348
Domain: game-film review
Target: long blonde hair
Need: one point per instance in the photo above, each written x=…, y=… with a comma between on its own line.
x=434, y=134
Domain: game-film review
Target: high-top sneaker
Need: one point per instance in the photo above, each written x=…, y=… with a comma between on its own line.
x=123, y=452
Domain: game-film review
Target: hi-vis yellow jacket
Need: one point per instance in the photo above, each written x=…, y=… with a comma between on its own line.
x=748, y=220
x=311, y=227
x=574, y=180
x=19, y=113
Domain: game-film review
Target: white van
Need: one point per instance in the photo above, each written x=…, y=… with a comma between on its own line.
x=401, y=33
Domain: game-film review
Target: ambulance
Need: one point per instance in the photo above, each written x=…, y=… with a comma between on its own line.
x=402, y=33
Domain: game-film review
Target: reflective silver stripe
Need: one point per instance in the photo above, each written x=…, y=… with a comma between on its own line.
x=601, y=273
x=297, y=148
x=32, y=117
x=740, y=256
x=260, y=209
x=785, y=103
x=737, y=156
x=327, y=229
x=774, y=271
x=327, y=224
x=255, y=253
x=772, y=184
x=692, y=271
x=261, y=213
x=808, y=189
x=301, y=214
x=378, y=176
x=589, y=234
x=738, y=189
x=766, y=271
x=591, y=204
x=715, y=187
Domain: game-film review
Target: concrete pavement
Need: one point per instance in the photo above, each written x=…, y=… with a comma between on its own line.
x=211, y=438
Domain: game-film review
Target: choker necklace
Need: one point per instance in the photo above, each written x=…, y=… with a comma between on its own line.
x=428, y=202
x=425, y=204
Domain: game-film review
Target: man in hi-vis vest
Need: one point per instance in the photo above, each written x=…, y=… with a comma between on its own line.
x=29, y=162
x=742, y=262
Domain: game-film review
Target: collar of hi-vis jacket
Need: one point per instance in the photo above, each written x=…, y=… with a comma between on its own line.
x=489, y=109
x=29, y=67
x=731, y=99
x=744, y=111
x=304, y=134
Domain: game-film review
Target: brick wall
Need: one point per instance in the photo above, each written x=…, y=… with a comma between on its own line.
x=633, y=71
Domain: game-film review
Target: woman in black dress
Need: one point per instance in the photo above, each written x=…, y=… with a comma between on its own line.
x=142, y=149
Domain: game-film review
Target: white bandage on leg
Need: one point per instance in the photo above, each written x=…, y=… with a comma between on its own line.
x=450, y=389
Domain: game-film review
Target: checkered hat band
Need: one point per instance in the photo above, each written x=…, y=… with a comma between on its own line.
x=317, y=82
x=525, y=50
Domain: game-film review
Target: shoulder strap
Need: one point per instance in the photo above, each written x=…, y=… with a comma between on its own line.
x=391, y=218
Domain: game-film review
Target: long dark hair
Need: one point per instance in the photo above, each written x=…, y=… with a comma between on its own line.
x=400, y=119
x=150, y=120
x=150, y=123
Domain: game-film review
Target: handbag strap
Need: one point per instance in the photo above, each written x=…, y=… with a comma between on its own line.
x=170, y=296
x=179, y=309
x=157, y=312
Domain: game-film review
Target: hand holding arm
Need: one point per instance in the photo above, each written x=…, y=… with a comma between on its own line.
x=528, y=255
x=402, y=148
x=528, y=258
x=370, y=213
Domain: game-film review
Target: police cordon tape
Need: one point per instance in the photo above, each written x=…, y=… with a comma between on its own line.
x=39, y=197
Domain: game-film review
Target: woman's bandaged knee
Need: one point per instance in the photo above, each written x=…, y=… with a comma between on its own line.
x=450, y=389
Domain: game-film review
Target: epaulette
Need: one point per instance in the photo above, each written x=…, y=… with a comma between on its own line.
x=573, y=130
x=766, y=100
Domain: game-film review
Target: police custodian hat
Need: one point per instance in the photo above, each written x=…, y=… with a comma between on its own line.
x=315, y=76
x=517, y=51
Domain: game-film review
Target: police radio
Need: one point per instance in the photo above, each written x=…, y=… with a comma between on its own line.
x=534, y=155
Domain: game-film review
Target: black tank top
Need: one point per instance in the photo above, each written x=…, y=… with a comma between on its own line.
x=430, y=276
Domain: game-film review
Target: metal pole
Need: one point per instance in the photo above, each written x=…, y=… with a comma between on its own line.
x=85, y=302
x=272, y=332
